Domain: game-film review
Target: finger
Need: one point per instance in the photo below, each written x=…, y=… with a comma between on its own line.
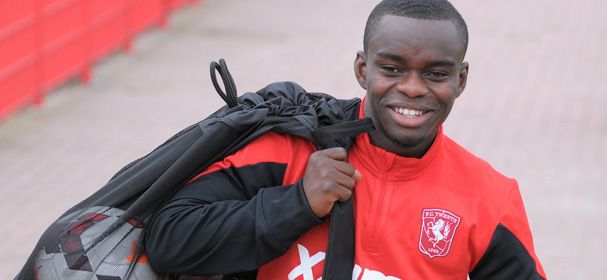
x=348, y=169
x=344, y=180
x=342, y=194
x=337, y=153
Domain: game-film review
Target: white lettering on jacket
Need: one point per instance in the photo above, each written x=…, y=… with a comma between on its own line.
x=307, y=262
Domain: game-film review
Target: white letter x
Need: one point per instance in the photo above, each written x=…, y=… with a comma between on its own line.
x=307, y=262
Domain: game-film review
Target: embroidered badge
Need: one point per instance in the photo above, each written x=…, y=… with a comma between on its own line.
x=438, y=230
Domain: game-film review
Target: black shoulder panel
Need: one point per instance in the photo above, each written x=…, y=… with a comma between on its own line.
x=505, y=258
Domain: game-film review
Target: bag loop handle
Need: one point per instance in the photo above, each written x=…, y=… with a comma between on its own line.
x=231, y=94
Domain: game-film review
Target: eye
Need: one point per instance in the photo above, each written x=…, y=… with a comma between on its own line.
x=391, y=69
x=437, y=75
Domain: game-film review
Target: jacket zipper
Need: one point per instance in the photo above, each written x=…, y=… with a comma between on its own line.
x=377, y=216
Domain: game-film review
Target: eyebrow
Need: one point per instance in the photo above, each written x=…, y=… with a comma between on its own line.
x=390, y=56
x=441, y=63
x=436, y=63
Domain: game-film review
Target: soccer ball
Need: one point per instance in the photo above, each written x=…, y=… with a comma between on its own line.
x=65, y=255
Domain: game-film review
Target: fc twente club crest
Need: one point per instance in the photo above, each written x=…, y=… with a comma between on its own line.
x=438, y=230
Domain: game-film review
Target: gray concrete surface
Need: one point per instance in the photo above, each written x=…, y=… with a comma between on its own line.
x=533, y=108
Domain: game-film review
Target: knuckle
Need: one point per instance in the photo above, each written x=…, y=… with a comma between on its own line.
x=327, y=185
x=314, y=156
x=350, y=167
x=340, y=152
x=318, y=159
x=348, y=194
x=325, y=173
x=350, y=183
x=345, y=195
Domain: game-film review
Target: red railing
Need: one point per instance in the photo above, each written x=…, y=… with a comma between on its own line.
x=45, y=42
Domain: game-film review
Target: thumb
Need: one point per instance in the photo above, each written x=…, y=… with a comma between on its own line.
x=357, y=175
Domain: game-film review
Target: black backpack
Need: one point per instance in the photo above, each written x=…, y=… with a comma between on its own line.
x=102, y=236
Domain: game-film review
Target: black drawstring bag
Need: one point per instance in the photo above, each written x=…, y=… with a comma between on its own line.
x=102, y=236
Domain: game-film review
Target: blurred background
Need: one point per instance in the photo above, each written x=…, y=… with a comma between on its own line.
x=533, y=106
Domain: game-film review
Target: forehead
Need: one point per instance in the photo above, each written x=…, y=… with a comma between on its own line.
x=400, y=35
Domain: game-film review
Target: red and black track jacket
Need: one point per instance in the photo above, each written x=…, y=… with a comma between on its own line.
x=444, y=216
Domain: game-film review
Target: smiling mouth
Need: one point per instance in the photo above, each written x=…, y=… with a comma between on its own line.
x=409, y=113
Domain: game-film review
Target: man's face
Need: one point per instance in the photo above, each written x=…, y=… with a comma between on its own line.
x=412, y=72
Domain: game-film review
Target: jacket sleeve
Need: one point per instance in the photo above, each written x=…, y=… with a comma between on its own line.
x=510, y=253
x=233, y=219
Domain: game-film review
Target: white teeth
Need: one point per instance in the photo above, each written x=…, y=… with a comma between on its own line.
x=408, y=112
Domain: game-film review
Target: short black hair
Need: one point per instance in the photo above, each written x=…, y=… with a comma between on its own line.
x=418, y=9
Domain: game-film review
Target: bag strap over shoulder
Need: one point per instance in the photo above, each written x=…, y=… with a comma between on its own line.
x=335, y=135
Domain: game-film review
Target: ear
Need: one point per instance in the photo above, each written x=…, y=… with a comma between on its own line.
x=360, y=69
x=463, y=77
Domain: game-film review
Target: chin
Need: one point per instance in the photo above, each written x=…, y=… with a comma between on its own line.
x=407, y=140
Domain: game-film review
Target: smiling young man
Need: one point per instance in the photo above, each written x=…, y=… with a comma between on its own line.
x=425, y=208
x=412, y=70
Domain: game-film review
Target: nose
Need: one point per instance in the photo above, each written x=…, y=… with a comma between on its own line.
x=413, y=85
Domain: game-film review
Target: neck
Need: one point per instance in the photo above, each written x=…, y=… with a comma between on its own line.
x=404, y=150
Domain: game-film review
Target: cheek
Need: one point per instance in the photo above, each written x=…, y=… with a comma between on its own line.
x=379, y=86
x=374, y=76
x=445, y=93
